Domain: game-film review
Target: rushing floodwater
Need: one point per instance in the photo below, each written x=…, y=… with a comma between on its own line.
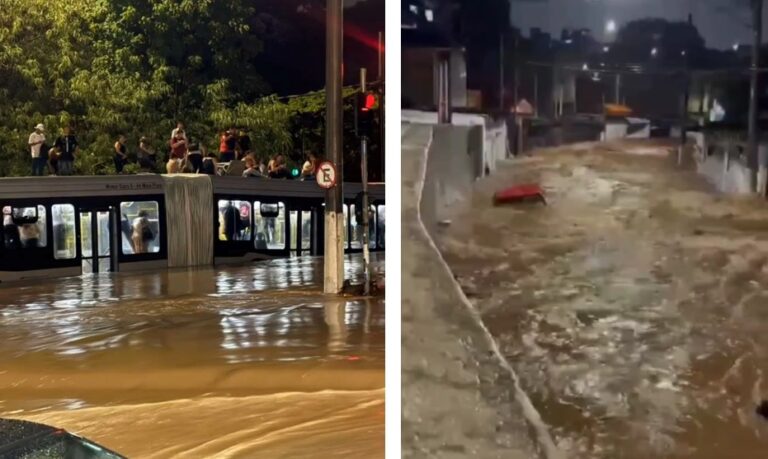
x=634, y=307
x=233, y=362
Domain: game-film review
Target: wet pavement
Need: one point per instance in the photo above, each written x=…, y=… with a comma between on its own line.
x=634, y=307
x=457, y=402
x=249, y=361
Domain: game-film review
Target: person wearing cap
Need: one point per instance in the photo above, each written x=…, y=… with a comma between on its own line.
x=36, y=141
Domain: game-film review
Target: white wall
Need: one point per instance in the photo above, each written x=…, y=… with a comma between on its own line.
x=495, y=135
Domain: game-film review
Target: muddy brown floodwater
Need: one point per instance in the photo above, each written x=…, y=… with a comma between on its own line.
x=634, y=307
x=223, y=362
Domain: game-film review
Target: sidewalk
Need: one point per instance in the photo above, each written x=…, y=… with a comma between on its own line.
x=457, y=400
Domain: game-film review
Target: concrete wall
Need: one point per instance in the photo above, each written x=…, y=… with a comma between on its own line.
x=493, y=133
x=452, y=168
x=729, y=175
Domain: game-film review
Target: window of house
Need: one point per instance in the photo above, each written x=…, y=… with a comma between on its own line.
x=234, y=220
x=140, y=227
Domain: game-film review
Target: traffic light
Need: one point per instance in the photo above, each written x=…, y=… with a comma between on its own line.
x=367, y=105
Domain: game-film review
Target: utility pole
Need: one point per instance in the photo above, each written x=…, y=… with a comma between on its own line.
x=364, y=211
x=757, y=29
x=501, y=70
x=380, y=75
x=334, y=213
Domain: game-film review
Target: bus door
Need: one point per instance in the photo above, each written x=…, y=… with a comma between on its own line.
x=98, y=253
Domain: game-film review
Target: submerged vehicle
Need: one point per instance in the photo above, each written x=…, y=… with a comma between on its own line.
x=67, y=226
x=29, y=440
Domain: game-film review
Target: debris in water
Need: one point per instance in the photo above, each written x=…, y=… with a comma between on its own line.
x=518, y=194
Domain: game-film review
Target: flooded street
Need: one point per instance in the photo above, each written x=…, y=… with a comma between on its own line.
x=634, y=307
x=248, y=361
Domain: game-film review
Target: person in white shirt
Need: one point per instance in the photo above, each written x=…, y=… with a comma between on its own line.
x=36, y=141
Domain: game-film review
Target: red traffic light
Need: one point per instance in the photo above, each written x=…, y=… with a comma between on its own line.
x=369, y=103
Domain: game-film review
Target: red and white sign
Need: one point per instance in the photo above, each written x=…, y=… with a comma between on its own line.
x=326, y=175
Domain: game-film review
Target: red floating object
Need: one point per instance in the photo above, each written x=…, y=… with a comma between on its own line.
x=519, y=193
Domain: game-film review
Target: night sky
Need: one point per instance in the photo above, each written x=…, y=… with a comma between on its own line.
x=719, y=29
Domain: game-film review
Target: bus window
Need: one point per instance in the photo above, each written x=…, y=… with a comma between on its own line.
x=24, y=227
x=306, y=231
x=356, y=234
x=346, y=226
x=140, y=227
x=372, y=227
x=294, y=218
x=269, y=226
x=234, y=220
x=380, y=226
x=64, y=243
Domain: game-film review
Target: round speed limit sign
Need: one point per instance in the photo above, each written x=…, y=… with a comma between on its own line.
x=326, y=175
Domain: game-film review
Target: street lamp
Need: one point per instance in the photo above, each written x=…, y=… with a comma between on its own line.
x=735, y=46
x=654, y=51
x=610, y=26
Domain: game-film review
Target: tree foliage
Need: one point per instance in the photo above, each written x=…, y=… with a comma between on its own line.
x=135, y=67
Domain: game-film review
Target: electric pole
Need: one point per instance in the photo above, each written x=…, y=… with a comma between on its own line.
x=334, y=213
x=757, y=30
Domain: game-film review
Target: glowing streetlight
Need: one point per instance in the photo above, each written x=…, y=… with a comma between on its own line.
x=735, y=46
x=610, y=26
x=585, y=67
x=654, y=51
x=606, y=49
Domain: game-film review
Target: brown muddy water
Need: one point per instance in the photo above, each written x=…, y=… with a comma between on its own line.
x=249, y=361
x=634, y=307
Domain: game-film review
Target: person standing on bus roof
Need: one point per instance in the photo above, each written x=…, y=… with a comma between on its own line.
x=195, y=157
x=121, y=154
x=179, y=146
x=67, y=146
x=36, y=140
x=147, y=155
x=228, y=142
x=179, y=128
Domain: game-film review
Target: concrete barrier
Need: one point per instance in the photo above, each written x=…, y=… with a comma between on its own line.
x=493, y=133
x=448, y=355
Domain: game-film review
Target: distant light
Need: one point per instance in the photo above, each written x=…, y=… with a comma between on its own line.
x=295, y=172
x=585, y=67
x=568, y=41
x=682, y=53
x=602, y=64
x=654, y=51
x=735, y=46
x=414, y=9
x=610, y=26
x=606, y=49
x=430, y=15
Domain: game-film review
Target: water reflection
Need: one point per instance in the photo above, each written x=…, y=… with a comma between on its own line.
x=216, y=321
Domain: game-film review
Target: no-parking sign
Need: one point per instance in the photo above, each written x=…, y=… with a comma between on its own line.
x=326, y=175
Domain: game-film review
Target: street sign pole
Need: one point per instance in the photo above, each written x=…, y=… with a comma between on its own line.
x=364, y=210
x=333, y=278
